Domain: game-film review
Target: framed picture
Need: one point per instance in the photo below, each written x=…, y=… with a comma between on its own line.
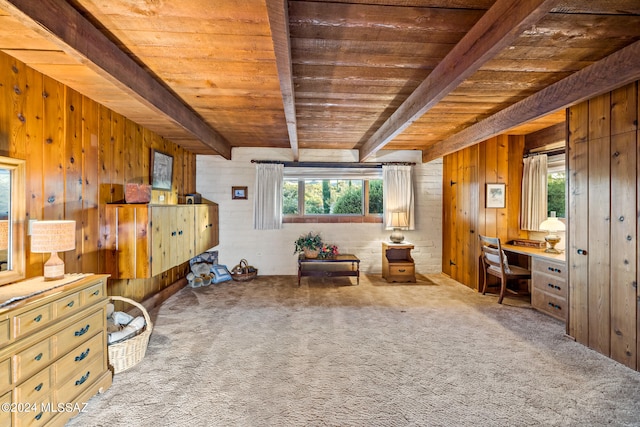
x=161, y=170
x=496, y=195
x=239, y=193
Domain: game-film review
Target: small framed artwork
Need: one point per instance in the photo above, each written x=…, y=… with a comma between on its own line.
x=161, y=170
x=496, y=196
x=239, y=193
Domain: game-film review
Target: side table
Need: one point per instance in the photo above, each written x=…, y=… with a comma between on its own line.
x=397, y=264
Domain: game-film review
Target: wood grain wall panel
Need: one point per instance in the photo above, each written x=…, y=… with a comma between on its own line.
x=514, y=187
x=76, y=151
x=599, y=224
x=578, y=203
x=603, y=227
x=446, y=214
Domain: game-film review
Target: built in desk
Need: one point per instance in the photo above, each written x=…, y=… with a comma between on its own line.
x=548, y=280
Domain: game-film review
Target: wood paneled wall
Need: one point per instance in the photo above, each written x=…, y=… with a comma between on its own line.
x=603, y=224
x=79, y=156
x=465, y=175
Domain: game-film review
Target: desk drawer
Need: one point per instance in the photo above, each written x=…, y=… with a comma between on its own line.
x=550, y=304
x=547, y=266
x=550, y=284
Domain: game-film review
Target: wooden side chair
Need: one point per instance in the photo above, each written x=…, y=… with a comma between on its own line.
x=494, y=263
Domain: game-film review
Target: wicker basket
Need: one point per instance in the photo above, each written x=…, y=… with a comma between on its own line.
x=243, y=271
x=128, y=353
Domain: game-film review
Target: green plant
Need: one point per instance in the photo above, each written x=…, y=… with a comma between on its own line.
x=310, y=240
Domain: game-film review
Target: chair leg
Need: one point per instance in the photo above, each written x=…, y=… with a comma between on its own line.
x=484, y=282
x=503, y=290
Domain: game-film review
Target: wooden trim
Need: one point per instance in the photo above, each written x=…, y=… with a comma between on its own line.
x=278, y=11
x=544, y=137
x=497, y=28
x=61, y=24
x=616, y=70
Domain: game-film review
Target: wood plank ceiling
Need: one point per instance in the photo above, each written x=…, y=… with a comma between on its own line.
x=430, y=75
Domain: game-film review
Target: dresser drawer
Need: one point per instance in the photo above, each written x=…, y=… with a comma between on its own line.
x=550, y=304
x=79, y=332
x=553, y=285
x=67, y=305
x=34, y=319
x=38, y=416
x=93, y=294
x=407, y=269
x=33, y=359
x=70, y=388
x=547, y=266
x=34, y=389
x=78, y=357
x=5, y=332
x=5, y=374
x=5, y=416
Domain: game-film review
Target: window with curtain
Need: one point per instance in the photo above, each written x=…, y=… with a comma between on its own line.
x=267, y=209
x=398, y=194
x=534, y=192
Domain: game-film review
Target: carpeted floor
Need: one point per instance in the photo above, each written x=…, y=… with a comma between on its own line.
x=434, y=353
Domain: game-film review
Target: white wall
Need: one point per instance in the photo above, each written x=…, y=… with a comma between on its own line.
x=271, y=251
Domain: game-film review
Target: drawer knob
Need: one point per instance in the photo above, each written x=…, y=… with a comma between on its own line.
x=37, y=417
x=70, y=304
x=173, y=233
x=83, y=378
x=82, y=331
x=96, y=293
x=38, y=357
x=402, y=271
x=37, y=318
x=38, y=387
x=82, y=356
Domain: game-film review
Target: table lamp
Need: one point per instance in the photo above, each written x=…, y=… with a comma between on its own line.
x=54, y=237
x=552, y=225
x=398, y=221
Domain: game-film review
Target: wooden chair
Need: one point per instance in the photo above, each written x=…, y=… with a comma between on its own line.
x=494, y=263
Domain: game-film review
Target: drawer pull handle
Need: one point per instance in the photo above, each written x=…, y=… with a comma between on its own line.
x=180, y=232
x=39, y=387
x=82, y=356
x=37, y=318
x=70, y=304
x=38, y=357
x=82, y=331
x=552, y=286
x=555, y=270
x=173, y=233
x=83, y=378
x=556, y=306
x=402, y=271
x=37, y=417
x=96, y=293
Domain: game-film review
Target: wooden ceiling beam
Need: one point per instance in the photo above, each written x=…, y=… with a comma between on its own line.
x=278, y=11
x=63, y=25
x=494, y=31
x=614, y=71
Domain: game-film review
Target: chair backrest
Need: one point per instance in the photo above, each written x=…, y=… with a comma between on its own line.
x=492, y=254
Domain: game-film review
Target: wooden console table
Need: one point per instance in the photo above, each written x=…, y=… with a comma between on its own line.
x=323, y=266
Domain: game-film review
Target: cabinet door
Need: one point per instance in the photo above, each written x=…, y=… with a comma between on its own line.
x=183, y=244
x=206, y=227
x=163, y=225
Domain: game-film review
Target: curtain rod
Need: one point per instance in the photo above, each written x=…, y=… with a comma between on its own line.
x=548, y=152
x=331, y=164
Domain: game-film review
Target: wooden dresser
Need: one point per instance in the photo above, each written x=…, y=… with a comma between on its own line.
x=53, y=348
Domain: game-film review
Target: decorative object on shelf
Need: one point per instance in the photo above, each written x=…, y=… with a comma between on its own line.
x=398, y=222
x=528, y=243
x=310, y=244
x=243, y=272
x=328, y=251
x=161, y=170
x=239, y=193
x=552, y=225
x=495, y=196
x=137, y=193
x=54, y=237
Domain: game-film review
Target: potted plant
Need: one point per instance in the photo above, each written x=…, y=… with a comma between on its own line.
x=309, y=244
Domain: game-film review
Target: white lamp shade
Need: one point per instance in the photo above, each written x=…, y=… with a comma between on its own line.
x=398, y=219
x=53, y=236
x=552, y=225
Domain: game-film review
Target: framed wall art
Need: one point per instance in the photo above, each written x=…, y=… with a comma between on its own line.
x=496, y=196
x=161, y=170
x=239, y=193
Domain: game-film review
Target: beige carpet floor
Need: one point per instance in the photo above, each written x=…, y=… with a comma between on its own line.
x=434, y=353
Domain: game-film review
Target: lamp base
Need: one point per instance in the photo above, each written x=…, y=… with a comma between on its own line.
x=552, y=241
x=396, y=236
x=53, y=268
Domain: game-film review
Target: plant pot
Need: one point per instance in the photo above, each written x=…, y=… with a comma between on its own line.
x=311, y=253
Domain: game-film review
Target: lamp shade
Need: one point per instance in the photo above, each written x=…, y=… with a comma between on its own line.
x=398, y=219
x=54, y=237
x=552, y=225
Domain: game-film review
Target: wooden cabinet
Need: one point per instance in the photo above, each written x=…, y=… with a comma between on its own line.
x=56, y=353
x=549, y=287
x=397, y=264
x=146, y=240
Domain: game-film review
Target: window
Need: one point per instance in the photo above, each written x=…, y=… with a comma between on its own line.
x=305, y=197
x=556, y=185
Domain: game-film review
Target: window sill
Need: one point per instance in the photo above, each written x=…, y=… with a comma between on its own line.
x=319, y=219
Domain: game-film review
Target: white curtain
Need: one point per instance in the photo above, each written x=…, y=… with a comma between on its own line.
x=534, y=192
x=267, y=202
x=397, y=188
